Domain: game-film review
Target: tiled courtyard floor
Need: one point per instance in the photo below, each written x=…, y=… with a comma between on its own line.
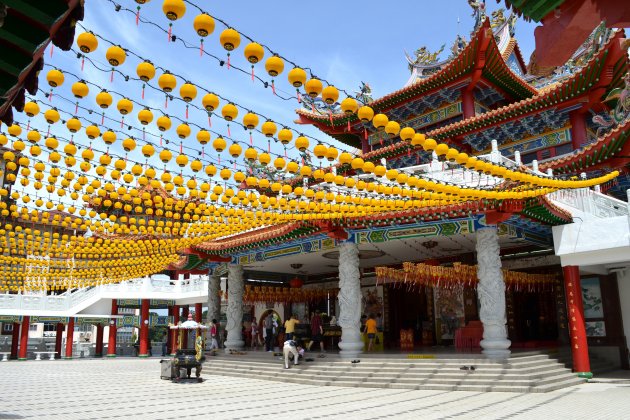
x=132, y=389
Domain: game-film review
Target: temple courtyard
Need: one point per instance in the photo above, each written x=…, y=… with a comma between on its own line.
x=131, y=388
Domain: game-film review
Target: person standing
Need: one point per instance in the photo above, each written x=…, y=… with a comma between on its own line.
x=269, y=332
x=214, y=344
x=254, y=331
x=317, y=332
x=370, y=329
x=291, y=347
x=289, y=327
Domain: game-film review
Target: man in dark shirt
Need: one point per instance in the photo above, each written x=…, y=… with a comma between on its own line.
x=317, y=331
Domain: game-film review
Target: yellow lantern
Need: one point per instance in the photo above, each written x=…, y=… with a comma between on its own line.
x=229, y=111
x=219, y=144
x=380, y=121
x=313, y=87
x=230, y=39
x=80, y=89
x=125, y=106
x=441, y=149
x=331, y=154
x=183, y=130
x=31, y=109
x=349, y=106
x=129, y=144
x=269, y=128
x=210, y=102
x=357, y=163
x=87, y=42
x=264, y=159
x=292, y=167
x=92, y=131
x=330, y=94
x=251, y=154
x=115, y=55
x=145, y=71
x=407, y=133
x=279, y=163
x=55, y=78
x=33, y=136
x=203, y=136
x=392, y=128
x=73, y=124
x=188, y=92
x=181, y=160
x=165, y=155
x=203, y=24
x=274, y=65
x=225, y=174
x=365, y=114
x=250, y=120
x=345, y=158
x=285, y=136
x=418, y=139
x=167, y=81
x=163, y=123
x=235, y=150
x=104, y=99
x=429, y=145
x=174, y=9
x=145, y=116
x=320, y=151
x=301, y=143
x=254, y=52
x=147, y=150
x=109, y=137
x=297, y=77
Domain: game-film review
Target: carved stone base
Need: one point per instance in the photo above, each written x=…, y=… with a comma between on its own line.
x=234, y=339
x=491, y=290
x=351, y=344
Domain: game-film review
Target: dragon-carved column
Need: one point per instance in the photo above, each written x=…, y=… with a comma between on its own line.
x=214, y=297
x=234, y=339
x=491, y=290
x=351, y=344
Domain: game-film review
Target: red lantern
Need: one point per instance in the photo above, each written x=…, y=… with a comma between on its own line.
x=296, y=283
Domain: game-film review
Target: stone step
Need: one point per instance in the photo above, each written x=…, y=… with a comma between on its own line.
x=435, y=385
x=411, y=371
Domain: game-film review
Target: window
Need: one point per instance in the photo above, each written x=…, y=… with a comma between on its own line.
x=32, y=327
x=7, y=327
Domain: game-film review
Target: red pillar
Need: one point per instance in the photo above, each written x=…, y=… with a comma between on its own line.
x=15, y=339
x=24, y=338
x=198, y=312
x=98, y=352
x=575, y=313
x=174, y=332
x=185, y=312
x=468, y=103
x=69, y=338
x=111, y=346
x=144, y=329
x=58, y=338
x=578, y=129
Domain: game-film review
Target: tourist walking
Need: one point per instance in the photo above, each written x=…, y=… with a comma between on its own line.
x=317, y=332
x=214, y=344
x=269, y=332
x=255, y=341
x=291, y=348
x=370, y=329
x=289, y=327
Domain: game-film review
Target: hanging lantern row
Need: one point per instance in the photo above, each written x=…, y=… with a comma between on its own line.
x=254, y=294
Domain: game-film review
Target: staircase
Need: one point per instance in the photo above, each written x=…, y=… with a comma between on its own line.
x=598, y=364
x=526, y=372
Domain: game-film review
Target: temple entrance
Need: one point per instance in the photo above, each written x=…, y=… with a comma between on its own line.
x=408, y=312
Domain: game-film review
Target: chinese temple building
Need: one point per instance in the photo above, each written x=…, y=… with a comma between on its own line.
x=480, y=208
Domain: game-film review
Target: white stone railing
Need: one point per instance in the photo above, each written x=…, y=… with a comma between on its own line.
x=72, y=302
x=590, y=202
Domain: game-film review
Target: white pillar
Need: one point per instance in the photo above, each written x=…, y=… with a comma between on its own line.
x=351, y=344
x=234, y=308
x=214, y=299
x=491, y=290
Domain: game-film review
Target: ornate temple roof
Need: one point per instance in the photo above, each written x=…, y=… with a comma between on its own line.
x=601, y=74
x=26, y=28
x=611, y=150
x=481, y=50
